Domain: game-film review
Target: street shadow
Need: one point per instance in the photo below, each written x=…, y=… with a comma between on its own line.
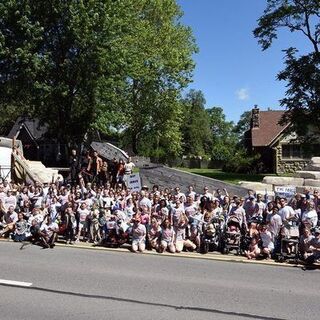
x=144, y=303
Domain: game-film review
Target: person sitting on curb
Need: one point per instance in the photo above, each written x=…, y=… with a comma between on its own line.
x=21, y=227
x=8, y=221
x=253, y=251
x=48, y=232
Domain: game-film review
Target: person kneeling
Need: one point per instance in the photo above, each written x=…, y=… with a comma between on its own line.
x=138, y=235
x=167, y=237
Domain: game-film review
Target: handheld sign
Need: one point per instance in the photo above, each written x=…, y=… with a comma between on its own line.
x=285, y=191
x=134, y=182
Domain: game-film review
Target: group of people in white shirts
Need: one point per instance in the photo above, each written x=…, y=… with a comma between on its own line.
x=157, y=219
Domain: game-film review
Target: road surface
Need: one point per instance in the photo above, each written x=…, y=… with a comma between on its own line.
x=70, y=283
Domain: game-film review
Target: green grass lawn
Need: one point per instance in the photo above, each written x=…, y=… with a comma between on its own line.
x=229, y=177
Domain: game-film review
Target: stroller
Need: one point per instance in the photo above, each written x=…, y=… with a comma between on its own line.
x=289, y=242
x=211, y=236
x=232, y=235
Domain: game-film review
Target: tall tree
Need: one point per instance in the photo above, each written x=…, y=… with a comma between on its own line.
x=224, y=139
x=197, y=138
x=55, y=54
x=242, y=126
x=302, y=71
x=162, y=62
x=97, y=64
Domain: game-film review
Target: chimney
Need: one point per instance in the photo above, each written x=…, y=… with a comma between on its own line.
x=255, y=119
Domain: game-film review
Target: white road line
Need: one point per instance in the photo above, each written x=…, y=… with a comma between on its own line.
x=16, y=283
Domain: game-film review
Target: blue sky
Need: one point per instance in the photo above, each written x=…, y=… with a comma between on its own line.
x=231, y=69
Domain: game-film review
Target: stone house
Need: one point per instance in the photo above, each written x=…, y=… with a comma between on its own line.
x=280, y=150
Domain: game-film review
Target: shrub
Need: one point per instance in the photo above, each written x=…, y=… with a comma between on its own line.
x=241, y=162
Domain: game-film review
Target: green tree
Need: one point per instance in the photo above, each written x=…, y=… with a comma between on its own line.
x=197, y=138
x=242, y=126
x=224, y=140
x=163, y=65
x=55, y=55
x=302, y=71
x=104, y=64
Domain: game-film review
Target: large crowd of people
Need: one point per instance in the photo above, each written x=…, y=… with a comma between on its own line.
x=95, y=205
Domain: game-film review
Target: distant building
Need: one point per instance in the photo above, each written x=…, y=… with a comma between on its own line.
x=281, y=151
x=37, y=145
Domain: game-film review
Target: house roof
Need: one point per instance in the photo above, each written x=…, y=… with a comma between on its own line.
x=269, y=128
x=32, y=126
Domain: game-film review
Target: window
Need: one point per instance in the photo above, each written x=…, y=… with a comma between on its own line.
x=292, y=151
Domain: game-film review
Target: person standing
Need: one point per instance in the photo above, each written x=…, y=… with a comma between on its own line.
x=71, y=224
x=74, y=166
x=120, y=172
x=85, y=161
x=128, y=170
x=95, y=166
x=128, y=167
x=113, y=169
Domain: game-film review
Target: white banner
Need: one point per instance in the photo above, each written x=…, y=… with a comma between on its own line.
x=285, y=191
x=5, y=163
x=134, y=182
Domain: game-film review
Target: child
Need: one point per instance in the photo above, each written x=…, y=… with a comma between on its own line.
x=71, y=225
x=138, y=235
x=94, y=226
x=154, y=234
x=253, y=230
x=167, y=237
x=20, y=228
x=254, y=251
x=267, y=242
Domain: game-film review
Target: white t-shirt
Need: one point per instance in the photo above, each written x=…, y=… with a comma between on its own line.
x=266, y=239
x=83, y=213
x=275, y=223
x=145, y=202
x=49, y=228
x=107, y=202
x=138, y=232
x=286, y=212
x=128, y=167
x=10, y=201
x=63, y=199
x=190, y=210
x=191, y=194
x=311, y=217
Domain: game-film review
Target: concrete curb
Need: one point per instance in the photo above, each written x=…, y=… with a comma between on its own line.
x=184, y=255
x=208, y=256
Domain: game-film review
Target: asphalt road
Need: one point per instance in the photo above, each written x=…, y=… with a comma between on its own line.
x=70, y=283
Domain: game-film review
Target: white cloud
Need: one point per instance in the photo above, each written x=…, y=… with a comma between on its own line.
x=243, y=94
